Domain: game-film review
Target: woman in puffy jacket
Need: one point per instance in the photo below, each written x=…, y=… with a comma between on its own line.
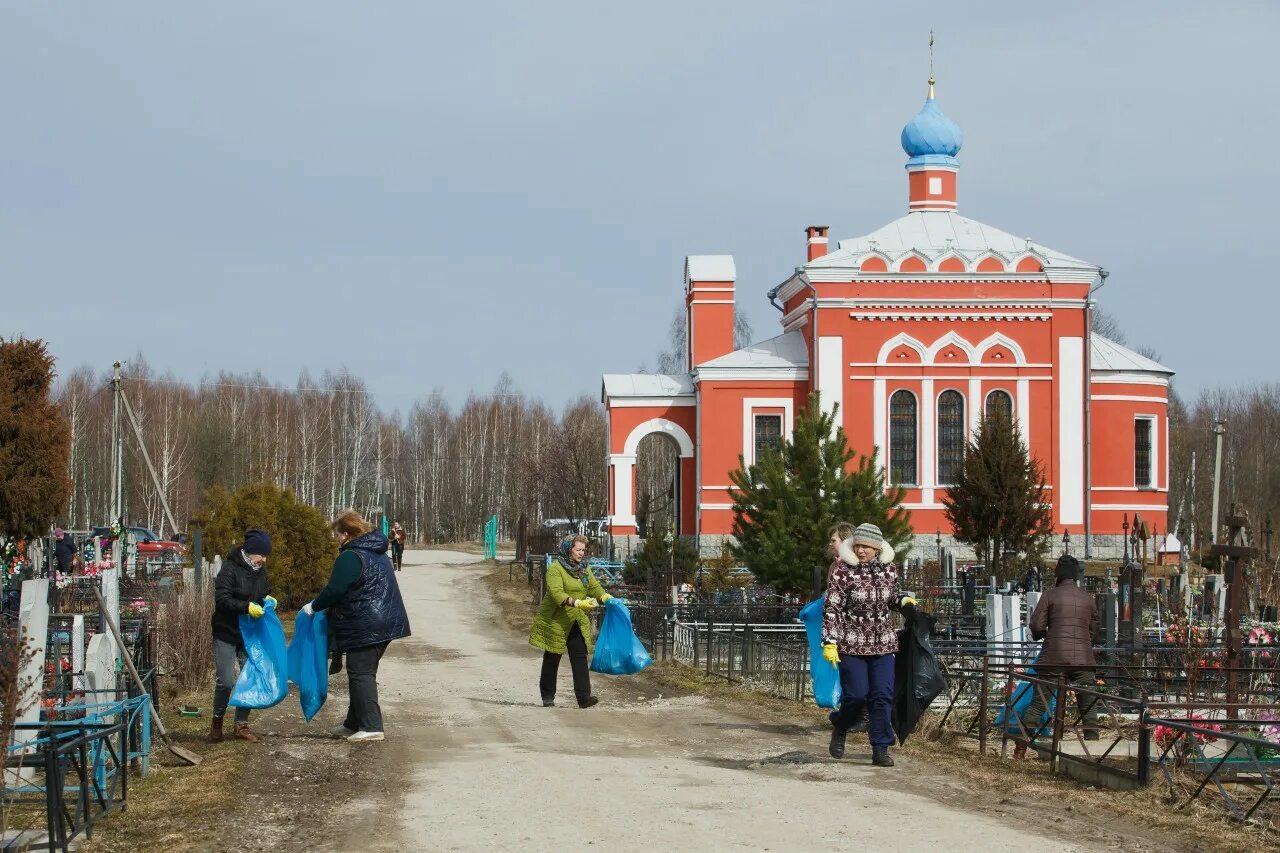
x=562, y=625
x=366, y=613
x=860, y=638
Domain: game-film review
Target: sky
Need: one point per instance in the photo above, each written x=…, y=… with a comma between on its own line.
x=428, y=195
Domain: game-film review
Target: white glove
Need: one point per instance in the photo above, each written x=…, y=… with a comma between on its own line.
x=306, y=608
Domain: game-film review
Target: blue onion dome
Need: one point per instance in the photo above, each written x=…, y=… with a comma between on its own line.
x=931, y=137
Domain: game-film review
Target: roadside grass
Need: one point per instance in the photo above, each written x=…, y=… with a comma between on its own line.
x=1001, y=780
x=177, y=807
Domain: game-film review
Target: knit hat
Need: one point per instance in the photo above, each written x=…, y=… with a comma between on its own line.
x=257, y=541
x=1068, y=568
x=868, y=534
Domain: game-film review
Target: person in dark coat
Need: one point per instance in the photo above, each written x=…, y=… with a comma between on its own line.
x=366, y=613
x=64, y=551
x=1066, y=618
x=242, y=587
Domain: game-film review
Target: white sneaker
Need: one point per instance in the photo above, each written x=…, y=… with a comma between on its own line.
x=359, y=737
x=340, y=732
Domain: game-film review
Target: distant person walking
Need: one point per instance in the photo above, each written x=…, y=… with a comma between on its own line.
x=64, y=551
x=860, y=638
x=1066, y=618
x=397, y=545
x=562, y=626
x=242, y=587
x=366, y=613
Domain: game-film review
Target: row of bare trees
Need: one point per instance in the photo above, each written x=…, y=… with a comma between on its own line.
x=441, y=472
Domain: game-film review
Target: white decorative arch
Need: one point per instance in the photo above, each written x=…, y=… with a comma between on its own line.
x=999, y=339
x=900, y=339
x=949, y=339
x=876, y=253
x=949, y=253
x=658, y=425
x=1021, y=256
x=913, y=253
x=991, y=253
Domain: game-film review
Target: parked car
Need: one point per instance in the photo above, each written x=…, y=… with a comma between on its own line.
x=149, y=544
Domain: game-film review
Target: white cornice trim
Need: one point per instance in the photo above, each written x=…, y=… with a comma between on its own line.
x=1128, y=398
x=655, y=402
x=750, y=374
x=861, y=303
x=852, y=273
x=948, y=316
x=1117, y=377
x=918, y=376
x=982, y=364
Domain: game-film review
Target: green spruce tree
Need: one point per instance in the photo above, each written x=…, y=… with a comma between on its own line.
x=998, y=504
x=35, y=441
x=784, y=504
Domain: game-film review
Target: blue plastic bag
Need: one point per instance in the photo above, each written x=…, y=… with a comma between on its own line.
x=826, y=678
x=618, y=649
x=309, y=661
x=263, y=680
x=1023, y=694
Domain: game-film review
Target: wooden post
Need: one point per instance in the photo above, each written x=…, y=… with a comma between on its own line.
x=1235, y=553
x=982, y=705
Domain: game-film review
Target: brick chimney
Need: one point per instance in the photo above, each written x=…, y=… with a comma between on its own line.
x=709, y=282
x=817, y=235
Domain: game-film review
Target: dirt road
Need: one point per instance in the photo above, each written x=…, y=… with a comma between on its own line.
x=473, y=761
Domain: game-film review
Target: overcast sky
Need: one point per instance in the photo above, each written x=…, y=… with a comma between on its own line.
x=428, y=194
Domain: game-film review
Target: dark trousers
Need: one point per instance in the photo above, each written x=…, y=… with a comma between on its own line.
x=1038, y=728
x=364, y=714
x=227, y=660
x=866, y=690
x=397, y=554
x=576, y=646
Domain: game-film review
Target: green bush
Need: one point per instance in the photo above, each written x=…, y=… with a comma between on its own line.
x=656, y=559
x=302, y=547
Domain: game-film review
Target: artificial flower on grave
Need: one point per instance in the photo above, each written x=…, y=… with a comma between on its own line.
x=1166, y=736
x=1184, y=633
x=13, y=555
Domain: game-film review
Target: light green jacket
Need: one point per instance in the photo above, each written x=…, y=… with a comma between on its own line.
x=556, y=617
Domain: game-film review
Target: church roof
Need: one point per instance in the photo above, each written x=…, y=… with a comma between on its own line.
x=784, y=351
x=647, y=385
x=1105, y=354
x=933, y=233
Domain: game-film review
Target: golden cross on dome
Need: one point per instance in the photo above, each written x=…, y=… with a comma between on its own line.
x=931, y=80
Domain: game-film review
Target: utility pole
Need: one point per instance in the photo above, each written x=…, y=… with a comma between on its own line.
x=117, y=457
x=1219, y=430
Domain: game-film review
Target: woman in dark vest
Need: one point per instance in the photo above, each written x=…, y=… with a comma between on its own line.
x=366, y=613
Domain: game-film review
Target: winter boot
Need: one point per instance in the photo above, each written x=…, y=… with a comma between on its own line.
x=1020, y=752
x=590, y=702
x=215, y=730
x=837, y=741
x=244, y=733
x=880, y=757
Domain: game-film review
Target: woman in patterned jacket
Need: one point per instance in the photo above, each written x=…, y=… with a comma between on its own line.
x=859, y=638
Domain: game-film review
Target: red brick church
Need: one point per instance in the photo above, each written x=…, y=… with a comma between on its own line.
x=915, y=330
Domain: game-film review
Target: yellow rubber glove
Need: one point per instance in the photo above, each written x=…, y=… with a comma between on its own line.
x=587, y=604
x=831, y=653
x=274, y=603
x=604, y=599
x=255, y=610
x=905, y=600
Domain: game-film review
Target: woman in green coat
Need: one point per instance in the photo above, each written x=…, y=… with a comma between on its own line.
x=562, y=624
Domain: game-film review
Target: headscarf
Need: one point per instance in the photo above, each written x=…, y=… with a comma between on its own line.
x=575, y=569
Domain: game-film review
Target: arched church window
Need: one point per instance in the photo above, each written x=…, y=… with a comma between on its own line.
x=951, y=437
x=1000, y=405
x=902, y=438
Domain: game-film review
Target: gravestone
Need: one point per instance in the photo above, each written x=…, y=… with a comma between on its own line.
x=77, y=652
x=33, y=623
x=100, y=668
